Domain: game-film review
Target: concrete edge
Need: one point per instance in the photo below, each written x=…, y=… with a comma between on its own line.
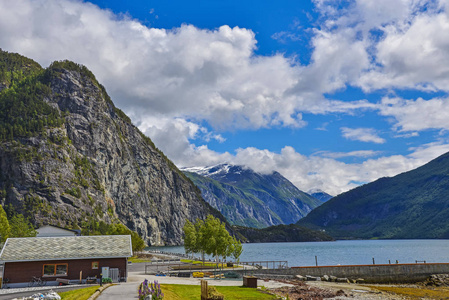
x=99, y=291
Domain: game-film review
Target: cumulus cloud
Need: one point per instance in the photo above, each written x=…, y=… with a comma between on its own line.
x=416, y=115
x=318, y=171
x=362, y=134
x=330, y=175
x=395, y=44
x=210, y=75
x=170, y=81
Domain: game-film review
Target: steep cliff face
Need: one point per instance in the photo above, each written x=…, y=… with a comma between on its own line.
x=89, y=163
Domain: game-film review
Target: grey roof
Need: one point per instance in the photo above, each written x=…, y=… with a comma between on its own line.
x=67, y=247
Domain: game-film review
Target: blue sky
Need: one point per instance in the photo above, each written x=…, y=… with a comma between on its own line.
x=329, y=93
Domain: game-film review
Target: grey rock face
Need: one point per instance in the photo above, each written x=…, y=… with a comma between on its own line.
x=97, y=166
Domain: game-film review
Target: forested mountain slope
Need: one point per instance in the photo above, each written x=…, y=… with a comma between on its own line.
x=413, y=204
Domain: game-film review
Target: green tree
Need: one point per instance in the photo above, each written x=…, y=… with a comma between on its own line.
x=237, y=249
x=209, y=237
x=4, y=226
x=190, y=237
x=21, y=227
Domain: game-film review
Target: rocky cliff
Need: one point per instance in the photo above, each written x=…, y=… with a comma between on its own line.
x=68, y=156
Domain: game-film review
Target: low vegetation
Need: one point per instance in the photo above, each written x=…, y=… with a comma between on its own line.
x=187, y=292
x=416, y=292
x=79, y=294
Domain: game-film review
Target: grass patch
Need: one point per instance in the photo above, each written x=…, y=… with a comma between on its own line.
x=416, y=292
x=193, y=292
x=79, y=294
x=136, y=259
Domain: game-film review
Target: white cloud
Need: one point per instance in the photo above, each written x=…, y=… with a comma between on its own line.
x=405, y=42
x=362, y=134
x=330, y=175
x=163, y=78
x=212, y=75
x=416, y=115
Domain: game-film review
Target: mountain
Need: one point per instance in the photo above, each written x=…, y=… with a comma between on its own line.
x=69, y=157
x=320, y=195
x=282, y=234
x=411, y=205
x=251, y=199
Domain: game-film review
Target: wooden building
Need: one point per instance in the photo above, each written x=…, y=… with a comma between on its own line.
x=55, y=259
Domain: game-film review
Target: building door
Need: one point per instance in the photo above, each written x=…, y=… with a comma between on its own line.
x=114, y=274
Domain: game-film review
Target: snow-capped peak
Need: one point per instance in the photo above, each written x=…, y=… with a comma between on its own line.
x=221, y=169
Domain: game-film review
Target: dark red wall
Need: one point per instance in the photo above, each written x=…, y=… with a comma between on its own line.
x=23, y=271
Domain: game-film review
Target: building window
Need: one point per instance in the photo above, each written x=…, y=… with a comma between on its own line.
x=94, y=265
x=55, y=270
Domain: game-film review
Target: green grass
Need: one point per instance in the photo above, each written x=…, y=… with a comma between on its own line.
x=79, y=294
x=193, y=292
x=136, y=259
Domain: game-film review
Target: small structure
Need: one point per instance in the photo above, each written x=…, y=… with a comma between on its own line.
x=65, y=259
x=250, y=281
x=52, y=230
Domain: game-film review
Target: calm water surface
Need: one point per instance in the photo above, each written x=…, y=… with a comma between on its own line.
x=343, y=252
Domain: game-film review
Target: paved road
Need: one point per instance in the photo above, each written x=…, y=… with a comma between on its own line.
x=128, y=290
x=122, y=291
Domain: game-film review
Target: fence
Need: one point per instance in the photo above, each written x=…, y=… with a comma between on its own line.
x=266, y=264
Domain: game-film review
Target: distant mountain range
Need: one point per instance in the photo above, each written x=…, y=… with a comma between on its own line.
x=320, y=195
x=251, y=199
x=413, y=205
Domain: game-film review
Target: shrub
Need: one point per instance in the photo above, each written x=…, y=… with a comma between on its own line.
x=213, y=294
x=106, y=280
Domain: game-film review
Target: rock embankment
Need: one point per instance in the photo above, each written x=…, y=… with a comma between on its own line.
x=437, y=280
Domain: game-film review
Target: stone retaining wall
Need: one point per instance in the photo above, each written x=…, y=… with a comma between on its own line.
x=391, y=273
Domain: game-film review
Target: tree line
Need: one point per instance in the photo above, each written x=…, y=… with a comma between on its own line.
x=210, y=237
x=16, y=226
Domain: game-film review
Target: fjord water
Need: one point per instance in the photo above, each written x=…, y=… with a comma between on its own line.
x=354, y=252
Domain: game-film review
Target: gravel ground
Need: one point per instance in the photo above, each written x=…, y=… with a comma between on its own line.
x=352, y=291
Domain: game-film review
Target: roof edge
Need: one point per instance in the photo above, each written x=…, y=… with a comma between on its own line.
x=72, y=258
